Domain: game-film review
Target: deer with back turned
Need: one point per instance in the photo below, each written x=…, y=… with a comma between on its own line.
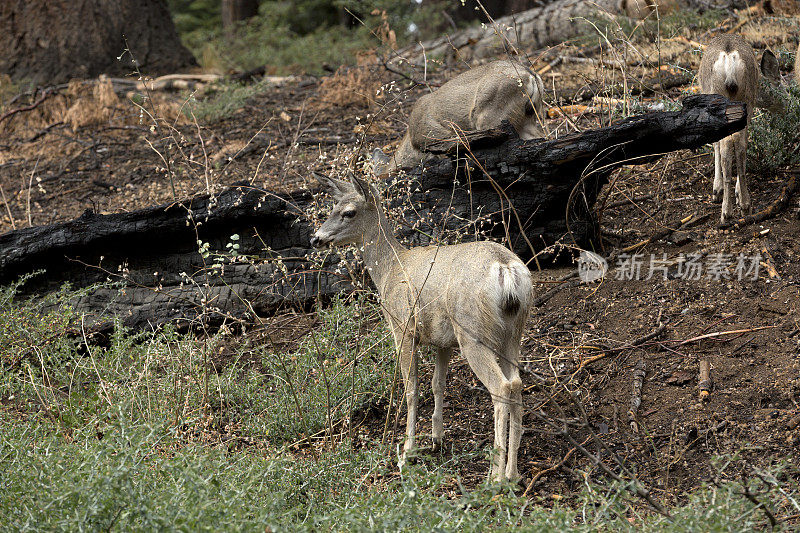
x=472, y=296
x=478, y=99
x=729, y=68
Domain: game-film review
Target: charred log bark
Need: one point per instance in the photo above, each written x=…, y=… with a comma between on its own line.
x=532, y=193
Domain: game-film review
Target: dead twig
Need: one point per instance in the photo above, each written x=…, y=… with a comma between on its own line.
x=8, y=208
x=723, y=333
x=556, y=466
x=639, y=372
x=759, y=505
x=632, y=484
x=704, y=380
x=685, y=222
x=633, y=344
x=626, y=201
x=45, y=95
x=773, y=209
x=541, y=300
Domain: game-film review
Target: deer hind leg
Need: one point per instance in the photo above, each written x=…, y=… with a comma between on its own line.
x=484, y=364
x=742, y=191
x=727, y=155
x=443, y=356
x=716, y=192
x=510, y=366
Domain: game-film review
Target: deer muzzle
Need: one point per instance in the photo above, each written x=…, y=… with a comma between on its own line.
x=318, y=241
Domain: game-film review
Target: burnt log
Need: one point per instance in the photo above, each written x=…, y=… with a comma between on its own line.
x=171, y=260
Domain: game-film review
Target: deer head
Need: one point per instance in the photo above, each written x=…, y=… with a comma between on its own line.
x=355, y=212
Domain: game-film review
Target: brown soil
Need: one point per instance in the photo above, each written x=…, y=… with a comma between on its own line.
x=751, y=411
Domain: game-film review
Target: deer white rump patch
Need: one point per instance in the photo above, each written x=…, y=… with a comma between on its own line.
x=729, y=65
x=513, y=286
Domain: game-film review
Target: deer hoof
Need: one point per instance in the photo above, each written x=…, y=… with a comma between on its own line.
x=437, y=445
x=716, y=197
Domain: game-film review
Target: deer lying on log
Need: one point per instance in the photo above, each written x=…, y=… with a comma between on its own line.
x=473, y=296
x=729, y=68
x=478, y=99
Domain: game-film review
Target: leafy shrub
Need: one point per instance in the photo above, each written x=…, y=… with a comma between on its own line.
x=774, y=142
x=290, y=37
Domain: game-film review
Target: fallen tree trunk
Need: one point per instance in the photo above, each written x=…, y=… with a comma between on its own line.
x=553, y=23
x=529, y=193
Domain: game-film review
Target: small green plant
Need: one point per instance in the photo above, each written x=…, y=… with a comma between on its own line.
x=774, y=142
x=222, y=99
x=338, y=370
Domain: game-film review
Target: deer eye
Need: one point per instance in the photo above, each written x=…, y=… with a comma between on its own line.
x=350, y=213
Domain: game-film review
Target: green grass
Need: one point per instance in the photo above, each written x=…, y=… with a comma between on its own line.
x=687, y=22
x=163, y=431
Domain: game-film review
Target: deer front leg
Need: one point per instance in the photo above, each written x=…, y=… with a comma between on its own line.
x=716, y=192
x=742, y=191
x=443, y=356
x=727, y=154
x=408, y=367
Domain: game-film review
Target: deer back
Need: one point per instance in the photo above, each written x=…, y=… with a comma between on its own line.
x=479, y=98
x=433, y=290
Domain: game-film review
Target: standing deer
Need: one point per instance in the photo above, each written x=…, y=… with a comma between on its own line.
x=473, y=296
x=729, y=68
x=478, y=99
x=797, y=65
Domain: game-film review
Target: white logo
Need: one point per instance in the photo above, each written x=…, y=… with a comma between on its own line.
x=591, y=267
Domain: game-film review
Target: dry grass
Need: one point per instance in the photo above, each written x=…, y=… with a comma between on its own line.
x=87, y=103
x=358, y=86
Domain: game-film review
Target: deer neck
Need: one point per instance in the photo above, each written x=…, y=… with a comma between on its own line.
x=381, y=250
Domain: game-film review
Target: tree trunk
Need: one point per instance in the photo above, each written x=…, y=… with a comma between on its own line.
x=234, y=11
x=51, y=41
x=536, y=193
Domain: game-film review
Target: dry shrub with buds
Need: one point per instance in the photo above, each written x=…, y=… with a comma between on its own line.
x=93, y=104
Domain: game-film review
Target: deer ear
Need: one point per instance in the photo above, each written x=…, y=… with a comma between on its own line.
x=362, y=187
x=770, y=67
x=334, y=187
